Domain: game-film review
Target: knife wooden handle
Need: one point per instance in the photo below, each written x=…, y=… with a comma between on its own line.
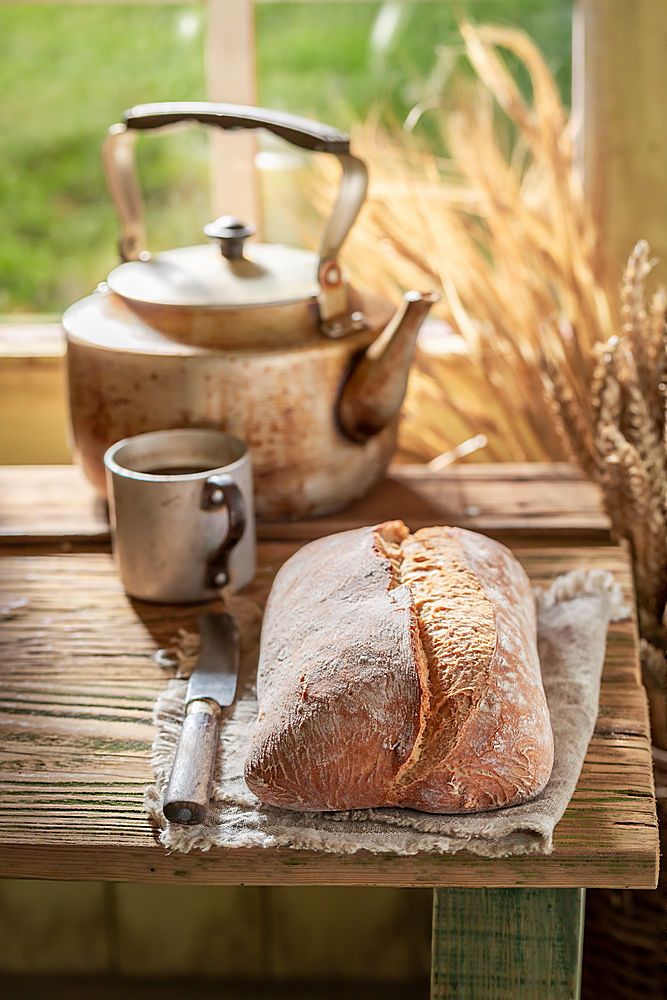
x=189, y=790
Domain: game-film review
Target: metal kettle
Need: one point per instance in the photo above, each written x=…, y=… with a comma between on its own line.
x=267, y=342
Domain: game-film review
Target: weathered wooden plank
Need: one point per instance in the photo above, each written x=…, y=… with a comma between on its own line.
x=31, y=339
x=52, y=504
x=623, y=129
x=246, y=866
x=32, y=404
x=501, y=944
x=231, y=77
x=79, y=680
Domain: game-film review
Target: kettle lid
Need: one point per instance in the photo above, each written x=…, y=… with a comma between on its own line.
x=190, y=279
x=228, y=276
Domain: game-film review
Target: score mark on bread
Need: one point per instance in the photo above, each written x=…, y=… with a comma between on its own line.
x=400, y=670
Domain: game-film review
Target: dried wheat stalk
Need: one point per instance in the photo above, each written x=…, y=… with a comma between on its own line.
x=532, y=361
x=619, y=435
x=627, y=417
x=501, y=228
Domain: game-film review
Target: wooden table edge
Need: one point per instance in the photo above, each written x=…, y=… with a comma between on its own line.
x=284, y=866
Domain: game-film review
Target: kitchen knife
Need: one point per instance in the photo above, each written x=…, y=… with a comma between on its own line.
x=211, y=686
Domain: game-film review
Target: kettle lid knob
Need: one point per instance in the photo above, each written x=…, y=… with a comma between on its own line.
x=232, y=234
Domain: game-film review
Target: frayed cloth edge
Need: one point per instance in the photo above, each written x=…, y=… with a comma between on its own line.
x=584, y=583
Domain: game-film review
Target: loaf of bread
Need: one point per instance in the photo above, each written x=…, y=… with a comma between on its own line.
x=400, y=669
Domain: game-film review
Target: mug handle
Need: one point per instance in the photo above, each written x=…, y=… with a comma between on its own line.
x=221, y=491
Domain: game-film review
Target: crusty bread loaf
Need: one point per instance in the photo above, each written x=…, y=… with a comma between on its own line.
x=400, y=670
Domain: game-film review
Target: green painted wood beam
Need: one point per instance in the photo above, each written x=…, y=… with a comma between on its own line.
x=507, y=944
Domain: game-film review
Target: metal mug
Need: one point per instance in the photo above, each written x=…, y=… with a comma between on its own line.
x=182, y=514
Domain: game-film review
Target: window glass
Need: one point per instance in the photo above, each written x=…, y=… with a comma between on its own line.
x=342, y=61
x=347, y=62
x=68, y=71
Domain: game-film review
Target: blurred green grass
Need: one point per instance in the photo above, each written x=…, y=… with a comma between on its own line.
x=67, y=72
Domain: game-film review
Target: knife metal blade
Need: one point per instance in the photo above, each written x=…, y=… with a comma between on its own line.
x=216, y=673
x=211, y=687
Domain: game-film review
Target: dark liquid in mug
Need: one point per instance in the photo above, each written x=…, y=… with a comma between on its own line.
x=176, y=470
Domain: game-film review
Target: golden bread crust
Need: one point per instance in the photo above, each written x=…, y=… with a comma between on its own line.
x=400, y=670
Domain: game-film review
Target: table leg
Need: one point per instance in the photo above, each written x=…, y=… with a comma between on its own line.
x=507, y=944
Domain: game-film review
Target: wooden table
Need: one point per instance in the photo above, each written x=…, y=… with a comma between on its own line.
x=79, y=681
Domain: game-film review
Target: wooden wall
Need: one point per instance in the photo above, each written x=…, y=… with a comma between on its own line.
x=275, y=934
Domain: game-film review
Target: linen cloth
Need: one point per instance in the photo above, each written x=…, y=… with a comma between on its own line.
x=573, y=616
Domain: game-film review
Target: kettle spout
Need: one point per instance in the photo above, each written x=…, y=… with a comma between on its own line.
x=372, y=395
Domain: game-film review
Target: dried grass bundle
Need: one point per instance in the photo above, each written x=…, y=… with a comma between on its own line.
x=528, y=362
x=501, y=229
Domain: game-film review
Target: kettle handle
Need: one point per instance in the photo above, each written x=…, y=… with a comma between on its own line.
x=299, y=131
x=118, y=156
